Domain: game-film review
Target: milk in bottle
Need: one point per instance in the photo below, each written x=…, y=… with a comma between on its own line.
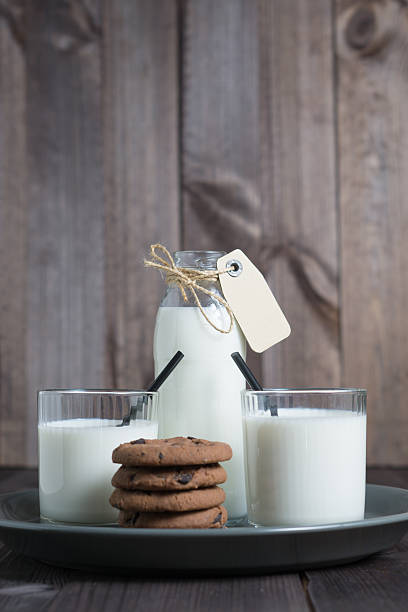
x=202, y=397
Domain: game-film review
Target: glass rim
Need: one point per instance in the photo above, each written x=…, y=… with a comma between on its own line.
x=79, y=391
x=307, y=391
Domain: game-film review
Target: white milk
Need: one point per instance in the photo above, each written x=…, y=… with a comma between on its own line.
x=75, y=466
x=202, y=396
x=305, y=467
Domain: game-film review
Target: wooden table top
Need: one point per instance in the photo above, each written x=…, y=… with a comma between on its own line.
x=377, y=583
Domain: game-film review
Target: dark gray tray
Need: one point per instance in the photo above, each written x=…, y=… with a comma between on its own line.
x=237, y=550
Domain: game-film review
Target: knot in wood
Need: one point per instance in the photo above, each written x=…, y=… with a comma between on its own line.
x=361, y=29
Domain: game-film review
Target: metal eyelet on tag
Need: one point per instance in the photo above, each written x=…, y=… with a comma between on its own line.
x=237, y=265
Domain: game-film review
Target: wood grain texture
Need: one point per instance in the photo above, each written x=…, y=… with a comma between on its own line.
x=377, y=583
x=393, y=477
x=17, y=479
x=13, y=236
x=298, y=186
x=183, y=595
x=65, y=303
x=141, y=164
x=372, y=56
x=220, y=125
x=25, y=584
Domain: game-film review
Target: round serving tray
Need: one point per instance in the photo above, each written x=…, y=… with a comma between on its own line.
x=236, y=550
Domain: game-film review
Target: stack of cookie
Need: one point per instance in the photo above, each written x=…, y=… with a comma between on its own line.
x=170, y=483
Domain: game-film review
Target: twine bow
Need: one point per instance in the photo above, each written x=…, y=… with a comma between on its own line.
x=189, y=279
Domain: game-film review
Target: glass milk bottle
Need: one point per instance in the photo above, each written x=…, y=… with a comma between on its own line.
x=202, y=396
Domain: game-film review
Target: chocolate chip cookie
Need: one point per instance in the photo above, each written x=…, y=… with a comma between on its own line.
x=214, y=518
x=171, y=452
x=169, y=479
x=167, y=501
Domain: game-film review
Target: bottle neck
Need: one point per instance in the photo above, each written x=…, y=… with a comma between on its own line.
x=194, y=260
x=199, y=260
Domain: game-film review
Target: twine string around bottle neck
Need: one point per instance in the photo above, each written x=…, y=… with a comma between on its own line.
x=189, y=279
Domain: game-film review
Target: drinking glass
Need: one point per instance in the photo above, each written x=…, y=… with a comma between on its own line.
x=305, y=455
x=77, y=431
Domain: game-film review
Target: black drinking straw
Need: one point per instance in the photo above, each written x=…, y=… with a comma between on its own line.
x=249, y=376
x=158, y=381
x=253, y=382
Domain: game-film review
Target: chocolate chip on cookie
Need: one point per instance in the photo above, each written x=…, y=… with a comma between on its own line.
x=184, y=478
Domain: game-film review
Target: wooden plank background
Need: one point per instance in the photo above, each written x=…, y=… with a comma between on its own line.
x=278, y=127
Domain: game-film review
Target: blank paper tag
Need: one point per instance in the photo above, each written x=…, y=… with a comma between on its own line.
x=252, y=302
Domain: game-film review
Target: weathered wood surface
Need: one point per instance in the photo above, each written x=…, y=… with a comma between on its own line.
x=376, y=583
x=372, y=56
x=142, y=173
x=298, y=182
x=279, y=127
x=13, y=236
x=220, y=125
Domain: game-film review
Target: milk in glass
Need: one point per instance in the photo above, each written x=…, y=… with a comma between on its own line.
x=77, y=431
x=305, y=466
x=76, y=469
x=202, y=397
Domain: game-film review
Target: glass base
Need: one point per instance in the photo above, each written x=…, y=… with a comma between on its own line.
x=241, y=521
x=46, y=519
x=316, y=523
